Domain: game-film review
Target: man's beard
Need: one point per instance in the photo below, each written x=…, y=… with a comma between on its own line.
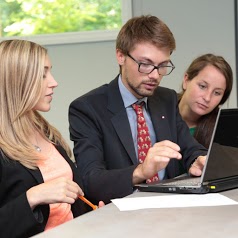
x=141, y=91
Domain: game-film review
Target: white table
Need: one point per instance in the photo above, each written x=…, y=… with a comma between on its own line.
x=108, y=221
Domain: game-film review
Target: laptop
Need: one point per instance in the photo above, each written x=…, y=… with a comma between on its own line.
x=220, y=172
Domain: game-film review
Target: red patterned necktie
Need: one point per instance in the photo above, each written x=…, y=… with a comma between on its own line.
x=143, y=137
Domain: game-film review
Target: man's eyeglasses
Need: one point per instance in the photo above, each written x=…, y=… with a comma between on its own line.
x=163, y=69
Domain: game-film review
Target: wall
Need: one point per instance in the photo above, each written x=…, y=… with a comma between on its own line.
x=78, y=68
x=204, y=26
x=199, y=27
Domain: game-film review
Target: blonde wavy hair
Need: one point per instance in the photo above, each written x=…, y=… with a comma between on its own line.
x=21, y=75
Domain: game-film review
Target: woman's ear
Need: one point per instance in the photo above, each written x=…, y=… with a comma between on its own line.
x=185, y=81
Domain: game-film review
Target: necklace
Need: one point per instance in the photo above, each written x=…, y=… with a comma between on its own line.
x=38, y=149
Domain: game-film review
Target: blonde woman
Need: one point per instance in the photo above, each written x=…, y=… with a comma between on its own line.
x=39, y=186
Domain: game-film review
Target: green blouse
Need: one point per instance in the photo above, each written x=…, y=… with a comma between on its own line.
x=192, y=130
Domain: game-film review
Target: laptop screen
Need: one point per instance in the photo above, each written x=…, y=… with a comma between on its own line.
x=223, y=151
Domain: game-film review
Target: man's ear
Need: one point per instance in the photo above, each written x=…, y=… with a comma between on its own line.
x=120, y=57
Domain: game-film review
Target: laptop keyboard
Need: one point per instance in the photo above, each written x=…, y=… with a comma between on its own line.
x=183, y=182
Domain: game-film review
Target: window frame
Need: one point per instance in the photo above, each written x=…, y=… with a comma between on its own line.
x=79, y=37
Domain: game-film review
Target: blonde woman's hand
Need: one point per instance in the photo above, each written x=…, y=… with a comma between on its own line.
x=101, y=204
x=60, y=190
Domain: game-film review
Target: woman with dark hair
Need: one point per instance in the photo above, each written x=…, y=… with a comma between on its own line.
x=207, y=84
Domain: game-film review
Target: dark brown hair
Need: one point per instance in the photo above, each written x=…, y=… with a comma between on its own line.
x=145, y=29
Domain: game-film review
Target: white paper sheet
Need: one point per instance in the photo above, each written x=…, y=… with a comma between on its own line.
x=170, y=201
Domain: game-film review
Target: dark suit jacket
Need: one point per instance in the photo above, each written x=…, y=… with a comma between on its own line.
x=103, y=145
x=16, y=216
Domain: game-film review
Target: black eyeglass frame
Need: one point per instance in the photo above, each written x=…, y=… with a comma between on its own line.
x=155, y=67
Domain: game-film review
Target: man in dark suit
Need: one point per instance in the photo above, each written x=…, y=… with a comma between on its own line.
x=103, y=124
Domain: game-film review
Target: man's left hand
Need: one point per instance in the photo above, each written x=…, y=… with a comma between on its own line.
x=197, y=166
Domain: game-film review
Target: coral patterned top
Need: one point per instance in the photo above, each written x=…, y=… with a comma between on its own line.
x=52, y=167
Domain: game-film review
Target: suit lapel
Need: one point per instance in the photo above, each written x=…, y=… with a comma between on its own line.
x=37, y=175
x=71, y=164
x=159, y=119
x=120, y=120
